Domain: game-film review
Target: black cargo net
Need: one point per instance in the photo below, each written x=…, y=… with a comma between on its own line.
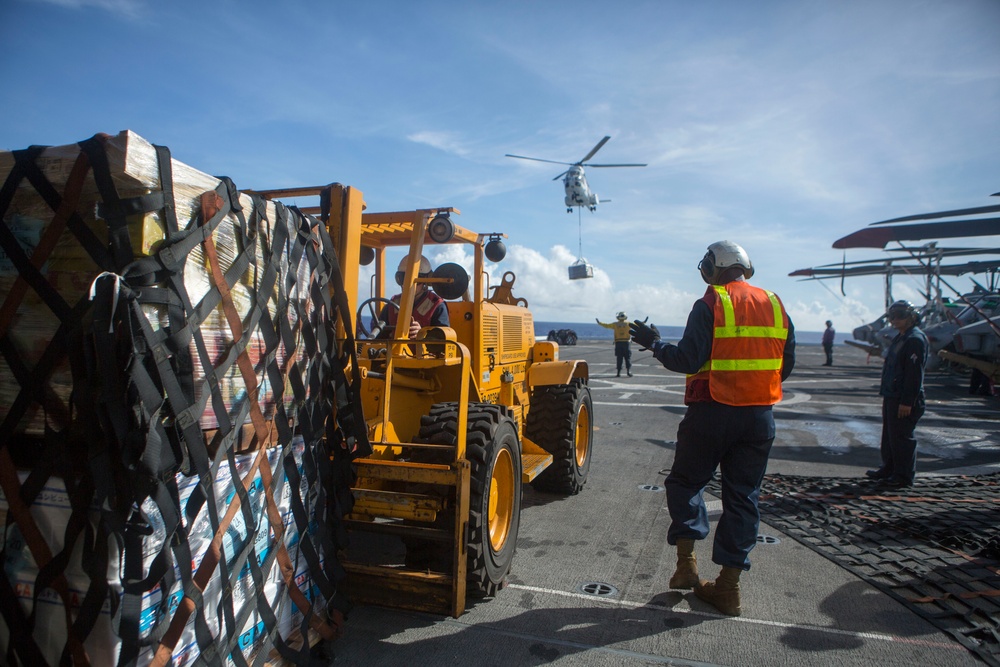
x=175, y=447
x=934, y=547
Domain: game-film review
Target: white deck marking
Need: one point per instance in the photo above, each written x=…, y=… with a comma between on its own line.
x=877, y=636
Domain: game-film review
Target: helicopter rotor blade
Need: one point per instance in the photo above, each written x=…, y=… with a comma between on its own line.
x=916, y=254
x=537, y=159
x=594, y=150
x=879, y=237
x=559, y=176
x=613, y=165
x=911, y=269
x=942, y=214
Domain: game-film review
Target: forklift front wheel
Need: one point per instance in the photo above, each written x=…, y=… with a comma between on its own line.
x=501, y=509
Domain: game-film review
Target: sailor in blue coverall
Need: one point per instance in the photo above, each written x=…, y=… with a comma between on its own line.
x=902, y=392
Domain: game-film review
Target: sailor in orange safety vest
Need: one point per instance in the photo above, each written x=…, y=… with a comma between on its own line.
x=738, y=346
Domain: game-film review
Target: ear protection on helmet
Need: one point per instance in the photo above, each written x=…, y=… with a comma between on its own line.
x=713, y=265
x=707, y=267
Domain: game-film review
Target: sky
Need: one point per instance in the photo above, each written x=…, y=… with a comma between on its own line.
x=780, y=125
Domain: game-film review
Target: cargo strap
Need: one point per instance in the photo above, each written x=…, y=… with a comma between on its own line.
x=33, y=384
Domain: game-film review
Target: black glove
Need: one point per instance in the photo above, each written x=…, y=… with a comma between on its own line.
x=644, y=335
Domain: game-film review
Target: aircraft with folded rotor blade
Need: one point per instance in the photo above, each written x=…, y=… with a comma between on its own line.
x=966, y=329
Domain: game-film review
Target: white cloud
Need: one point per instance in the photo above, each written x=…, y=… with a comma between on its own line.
x=126, y=8
x=543, y=281
x=449, y=142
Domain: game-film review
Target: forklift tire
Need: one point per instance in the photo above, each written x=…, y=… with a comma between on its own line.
x=494, y=455
x=560, y=421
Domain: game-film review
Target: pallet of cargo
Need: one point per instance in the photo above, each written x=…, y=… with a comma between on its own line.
x=176, y=422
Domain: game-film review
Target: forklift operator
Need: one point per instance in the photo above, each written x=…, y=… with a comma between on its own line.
x=429, y=309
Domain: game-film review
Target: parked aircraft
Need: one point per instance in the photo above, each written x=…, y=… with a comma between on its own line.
x=967, y=321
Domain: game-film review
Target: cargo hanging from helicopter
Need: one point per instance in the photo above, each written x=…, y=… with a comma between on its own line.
x=578, y=192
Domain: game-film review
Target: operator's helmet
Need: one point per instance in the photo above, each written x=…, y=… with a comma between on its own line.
x=425, y=268
x=724, y=255
x=621, y=315
x=902, y=310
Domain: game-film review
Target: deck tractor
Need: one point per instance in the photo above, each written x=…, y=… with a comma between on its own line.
x=459, y=417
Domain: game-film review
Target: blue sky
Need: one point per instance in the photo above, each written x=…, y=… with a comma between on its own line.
x=781, y=125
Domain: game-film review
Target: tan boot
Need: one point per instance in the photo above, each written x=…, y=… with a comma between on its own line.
x=686, y=574
x=724, y=592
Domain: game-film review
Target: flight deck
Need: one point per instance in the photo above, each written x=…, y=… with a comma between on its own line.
x=843, y=573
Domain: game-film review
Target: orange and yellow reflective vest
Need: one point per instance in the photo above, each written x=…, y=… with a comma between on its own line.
x=748, y=343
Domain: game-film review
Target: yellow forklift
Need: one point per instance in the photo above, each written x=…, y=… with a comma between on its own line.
x=459, y=416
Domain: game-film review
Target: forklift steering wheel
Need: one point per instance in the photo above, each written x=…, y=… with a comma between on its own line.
x=379, y=326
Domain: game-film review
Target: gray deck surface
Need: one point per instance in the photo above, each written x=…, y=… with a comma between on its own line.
x=799, y=608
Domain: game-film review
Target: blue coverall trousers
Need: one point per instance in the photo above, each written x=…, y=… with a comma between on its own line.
x=898, y=446
x=736, y=440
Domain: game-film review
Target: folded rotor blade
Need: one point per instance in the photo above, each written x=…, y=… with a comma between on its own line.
x=912, y=269
x=943, y=214
x=878, y=237
x=915, y=253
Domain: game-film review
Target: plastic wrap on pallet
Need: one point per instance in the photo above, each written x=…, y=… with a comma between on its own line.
x=159, y=331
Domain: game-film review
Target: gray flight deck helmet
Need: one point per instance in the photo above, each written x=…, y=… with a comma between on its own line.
x=724, y=255
x=903, y=309
x=423, y=272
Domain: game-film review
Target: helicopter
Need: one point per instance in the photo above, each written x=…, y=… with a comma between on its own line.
x=578, y=192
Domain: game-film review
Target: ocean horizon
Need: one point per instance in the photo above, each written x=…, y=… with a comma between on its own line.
x=593, y=331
